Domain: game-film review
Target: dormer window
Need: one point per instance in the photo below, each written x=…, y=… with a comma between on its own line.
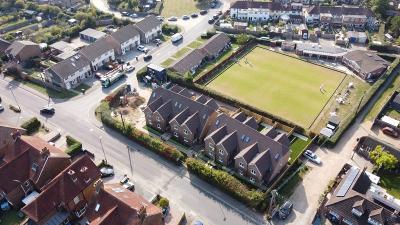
x=211, y=146
x=158, y=118
x=221, y=152
x=241, y=164
x=348, y=222
x=34, y=167
x=253, y=172
x=356, y=212
x=277, y=156
x=185, y=131
x=373, y=221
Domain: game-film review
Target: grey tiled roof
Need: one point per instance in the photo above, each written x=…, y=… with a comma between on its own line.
x=367, y=61
x=93, y=33
x=69, y=66
x=97, y=48
x=17, y=46
x=125, y=33
x=190, y=60
x=3, y=45
x=148, y=23
x=274, y=6
x=341, y=10
x=215, y=44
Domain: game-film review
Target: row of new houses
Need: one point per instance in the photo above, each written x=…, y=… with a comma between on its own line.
x=354, y=16
x=229, y=141
x=70, y=72
x=210, y=50
x=53, y=189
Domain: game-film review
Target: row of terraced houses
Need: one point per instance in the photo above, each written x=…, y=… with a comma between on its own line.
x=231, y=141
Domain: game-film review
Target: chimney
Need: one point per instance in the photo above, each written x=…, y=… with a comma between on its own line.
x=45, y=152
x=15, y=134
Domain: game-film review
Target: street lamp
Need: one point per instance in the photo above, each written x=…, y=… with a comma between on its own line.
x=11, y=89
x=102, y=148
x=130, y=160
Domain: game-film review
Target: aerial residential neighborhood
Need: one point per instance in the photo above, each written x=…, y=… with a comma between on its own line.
x=207, y=112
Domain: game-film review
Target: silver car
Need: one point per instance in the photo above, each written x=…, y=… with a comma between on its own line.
x=312, y=157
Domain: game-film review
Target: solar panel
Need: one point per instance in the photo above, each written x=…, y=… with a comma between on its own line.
x=348, y=181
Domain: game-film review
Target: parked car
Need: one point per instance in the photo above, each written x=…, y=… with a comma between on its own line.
x=176, y=37
x=129, y=68
x=213, y=5
x=215, y=16
x=211, y=20
x=390, y=132
x=109, y=67
x=173, y=18
x=160, y=18
x=157, y=41
x=285, y=210
x=185, y=17
x=134, y=15
x=127, y=183
x=194, y=15
x=219, y=12
x=203, y=12
x=1, y=108
x=147, y=58
x=98, y=75
x=125, y=13
x=264, y=38
x=120, y=61
x=106, y=172
x=47, y=110
x=312, y=157
x=141, y=48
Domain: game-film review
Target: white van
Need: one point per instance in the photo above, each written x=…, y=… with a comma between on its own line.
x=176, y=37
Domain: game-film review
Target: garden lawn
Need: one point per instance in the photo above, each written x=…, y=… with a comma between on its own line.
x=392, y=184
x=182, y=7
x=297, y=147
x=281, y=85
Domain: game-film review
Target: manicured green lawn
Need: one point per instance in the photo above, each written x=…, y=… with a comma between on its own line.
x=181, y=52
x=168, y=62
x=195, y=44
x=50, y=92
x=182, y=7
x=392, y=184
x=296, y=147
x=393, y=113
x=279, y=84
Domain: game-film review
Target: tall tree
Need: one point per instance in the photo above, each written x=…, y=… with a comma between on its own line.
x=383, y=159
x=395, y=26
x=380, y=7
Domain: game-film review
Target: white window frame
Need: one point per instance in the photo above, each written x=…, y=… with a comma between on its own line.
x=252, y=179
x=253, y=172
x=158, y=119
x=158, y=126
x=221, y=152
x=176, y=134
x=241, y=164
x=185, y=131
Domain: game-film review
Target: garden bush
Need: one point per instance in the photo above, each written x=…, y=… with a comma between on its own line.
x=74, y=149
x=32, y=125
x=164, y=203
x=226, y=183
x=169, y=29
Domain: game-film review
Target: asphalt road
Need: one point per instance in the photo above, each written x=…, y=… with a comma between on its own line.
x=151, y=173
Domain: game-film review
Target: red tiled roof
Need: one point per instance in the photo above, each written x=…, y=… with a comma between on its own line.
x=63, y=188
x=119, y=206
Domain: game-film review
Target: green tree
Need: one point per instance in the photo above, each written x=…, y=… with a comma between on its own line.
x=383, y=159
x=19, y=4
x=164, y=203
x=394, y=27
x=379, y=7
x=242, y=39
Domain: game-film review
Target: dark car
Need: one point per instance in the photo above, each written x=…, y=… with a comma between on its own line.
x=211, y=21
x=98, y=75
x=194, y=15
x=120, y=61
x=213, y=5
x=109, y=67
x=127, y=183
x=219, y=12
x=147, y=58
x=390, y=132
x=203, y=12
x=215, y=17
x=47, y=110
x=285, y=210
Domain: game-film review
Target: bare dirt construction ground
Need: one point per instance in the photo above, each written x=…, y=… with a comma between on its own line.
x=131, y=112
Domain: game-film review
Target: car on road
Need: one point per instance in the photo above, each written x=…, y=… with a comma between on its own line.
x=211, y=21
x=264, y=38
x=390, y=132
x=129, y=68
x=176, y=37
x=194, y=15
x=125, y=13
x=107, y=171
x=219, y=12
x=285, y=210
x=141, y=48
x=173, y=18
x=312, y=157
x=185, y=17
x=147, y=58
x=160, y=18
x=1, y=108
x=133, y=15
x=49, y=110
x=157, y=41
x=203, y=12
x=121, y=61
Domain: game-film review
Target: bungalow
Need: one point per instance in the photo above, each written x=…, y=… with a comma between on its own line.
x=67, y=196
x=127, y=38
x=149, y=28
x=189, y=62
x=179, y=112
x=99, y=53
x=216, y=45
x=23, y=50
x=366, y=65
x=91, y=35
x=121, y=206
x=27, y=165
x=70, y=72
x=232, y=140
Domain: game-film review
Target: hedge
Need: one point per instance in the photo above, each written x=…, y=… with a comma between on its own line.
x=331, y=142
x=32, y=125
x=226, y=183
x=74, y=146
x=70, y=140
x=152, y=143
